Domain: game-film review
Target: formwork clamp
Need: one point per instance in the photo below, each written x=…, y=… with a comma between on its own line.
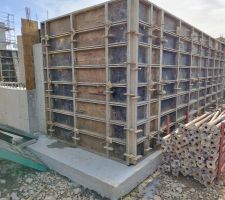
x=46, y=37
x=153, y=36
x=163, y=40
x=75, y=91
x=108, y=148
x=161, y=92
x=177, y=88
x=109, y=140
x=135, y=33
x=108, y=24
x=51, y=130
x=76, y=138
x=147, y=150
x=46, y=45
x=76, y=131
x=133, y=130
x=109, y=35
x=132, y=157
x=133, y=96
x=109, y=85
x=73, y=32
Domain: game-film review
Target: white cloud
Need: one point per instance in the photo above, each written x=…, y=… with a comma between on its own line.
x=60, y=7
x=206, y=15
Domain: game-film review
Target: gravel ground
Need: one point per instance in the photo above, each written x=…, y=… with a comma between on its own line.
x=17, y=182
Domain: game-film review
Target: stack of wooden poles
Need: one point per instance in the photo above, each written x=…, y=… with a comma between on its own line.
x=193, y=149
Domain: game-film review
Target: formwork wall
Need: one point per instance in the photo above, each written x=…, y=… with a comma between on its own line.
x=113, y=73
x=8, y=65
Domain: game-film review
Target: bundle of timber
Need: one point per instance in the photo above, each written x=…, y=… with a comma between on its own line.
x=193, y=149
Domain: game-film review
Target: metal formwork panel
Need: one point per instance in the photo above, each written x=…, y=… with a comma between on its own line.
x=114, y=72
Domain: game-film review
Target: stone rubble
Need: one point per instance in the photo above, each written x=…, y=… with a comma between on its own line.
x=170, y=187
x=18, y=183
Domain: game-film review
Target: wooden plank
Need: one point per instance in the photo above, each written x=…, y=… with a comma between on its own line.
x=90, y=125
x=132, y=79
x=92, y=144
x=92, y=18
x=90, y=38
x=30, y=36
x=91, y=75
x=91, y=57
x=91, y=92
x=59, y=26
x=91, y=109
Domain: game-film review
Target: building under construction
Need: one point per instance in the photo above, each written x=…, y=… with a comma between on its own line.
x=115, y=72
x=8, y=54
x=110, y=80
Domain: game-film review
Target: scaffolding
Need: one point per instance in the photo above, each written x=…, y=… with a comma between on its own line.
x=8, y=52
x=8, y=26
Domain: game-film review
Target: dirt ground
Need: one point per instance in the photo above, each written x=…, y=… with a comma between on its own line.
x=20, y=183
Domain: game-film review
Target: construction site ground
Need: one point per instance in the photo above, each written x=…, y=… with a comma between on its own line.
x=18, y=182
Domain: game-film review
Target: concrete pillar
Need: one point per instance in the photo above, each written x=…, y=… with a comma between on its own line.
x=39, y=81
x=21, y=68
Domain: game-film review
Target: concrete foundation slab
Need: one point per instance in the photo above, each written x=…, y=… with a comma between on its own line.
x=107, y=177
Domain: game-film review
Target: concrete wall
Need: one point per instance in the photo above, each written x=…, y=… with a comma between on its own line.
x=25, y=109
x=18, y=108
x=14, y=108
x=39, y=81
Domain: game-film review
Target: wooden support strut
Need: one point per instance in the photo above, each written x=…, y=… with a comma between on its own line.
x=132, y=79
x=108, y=83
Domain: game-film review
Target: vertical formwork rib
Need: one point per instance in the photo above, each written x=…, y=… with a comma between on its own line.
x=49, y=101
x=74, y=82
x=132, y=79
x=202, y=67
x=108, y=83
x=160, y=84
x=149, y=82
x=191, y=64
x=1, y=76
x=178, y=76
x=214, y=75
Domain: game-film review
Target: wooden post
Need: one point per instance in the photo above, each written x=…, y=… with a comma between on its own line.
x=30, y=36
x=132, y=79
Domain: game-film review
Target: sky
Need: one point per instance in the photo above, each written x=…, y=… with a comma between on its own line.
x=207, y=15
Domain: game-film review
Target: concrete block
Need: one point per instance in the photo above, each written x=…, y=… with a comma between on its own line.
x=109, y=178
x=14, y=108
